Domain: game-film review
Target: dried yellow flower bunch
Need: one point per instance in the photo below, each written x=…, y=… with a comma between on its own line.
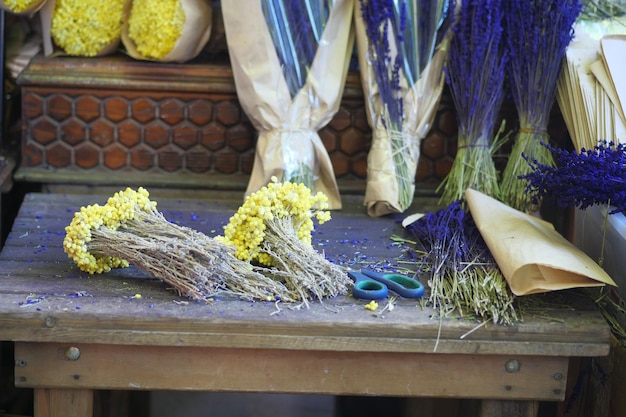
x=249, y=227
x=155, y=26
x=129, y=229
x=119, y=208
x=273, y=227
x=86, y=27
x=18, y=6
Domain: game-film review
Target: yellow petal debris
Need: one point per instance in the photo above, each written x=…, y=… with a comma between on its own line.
x=372, y=305
x=137, y=296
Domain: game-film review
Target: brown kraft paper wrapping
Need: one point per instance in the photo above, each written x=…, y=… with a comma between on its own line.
x=531, y=254
x=288, y=128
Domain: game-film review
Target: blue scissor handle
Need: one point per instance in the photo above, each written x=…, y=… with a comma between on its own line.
x=366, y=288
x=402, y=285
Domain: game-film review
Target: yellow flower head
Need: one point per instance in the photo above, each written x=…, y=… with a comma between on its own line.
x=118, y=209
x=155, y=26
x=78, y=236
x=85, y=27
x=124, y=204
x=18, y=6
x=247, y=228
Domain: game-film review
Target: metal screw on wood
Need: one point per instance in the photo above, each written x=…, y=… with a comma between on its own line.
x=50, y=321
x=72, y=353
x=512, y=365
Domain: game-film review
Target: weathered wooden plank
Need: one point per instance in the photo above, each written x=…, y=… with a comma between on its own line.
x=341, y=324
x=356, y=373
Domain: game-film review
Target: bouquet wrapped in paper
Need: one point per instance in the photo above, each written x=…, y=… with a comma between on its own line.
x=401, y=47
x=22, y=7
x=82, y=27
x=290, y=60
x=167, y=30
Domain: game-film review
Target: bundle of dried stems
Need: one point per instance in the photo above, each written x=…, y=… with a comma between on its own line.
x=129, y=230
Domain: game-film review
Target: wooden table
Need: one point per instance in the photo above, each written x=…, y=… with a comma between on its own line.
x=75, y=333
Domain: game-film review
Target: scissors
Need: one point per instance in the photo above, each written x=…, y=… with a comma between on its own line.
x=371, y=285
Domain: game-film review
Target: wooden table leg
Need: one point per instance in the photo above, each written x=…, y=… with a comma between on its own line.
x=54, y=402
x=509, y=408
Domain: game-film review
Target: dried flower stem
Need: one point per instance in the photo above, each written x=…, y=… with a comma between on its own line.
x=405, y=159
x=273, y=227
x=473, y=167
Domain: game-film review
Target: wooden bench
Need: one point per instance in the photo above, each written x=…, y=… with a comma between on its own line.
x=75, y=333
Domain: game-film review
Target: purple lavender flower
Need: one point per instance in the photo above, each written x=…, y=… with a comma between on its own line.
x=476, y=65
x=379, y=16
x=538, y=33
x=593, y=176
x=450, y=238
x=413, y=27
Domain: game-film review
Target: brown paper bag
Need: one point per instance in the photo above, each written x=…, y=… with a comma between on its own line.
x=31, y=10
x=288, y=128
x=531, y=254
x=382, y=194
x=49, y=47
x=195, y=35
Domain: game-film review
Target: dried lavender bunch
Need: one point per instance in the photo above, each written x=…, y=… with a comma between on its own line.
x=537, y=35
x=590, y=177
x=464, y=277
x=475, y=74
